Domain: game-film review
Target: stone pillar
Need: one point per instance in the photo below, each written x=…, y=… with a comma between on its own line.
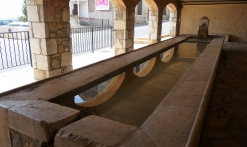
x=154, y=26
x=172, y=23
x=50, y=41
x=123, y=30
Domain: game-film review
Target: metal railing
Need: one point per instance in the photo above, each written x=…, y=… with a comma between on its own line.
x=94, y=22
x=15, y=46
x=90, y=39
x=14, y=49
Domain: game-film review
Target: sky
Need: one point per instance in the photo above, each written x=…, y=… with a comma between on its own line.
x=10, y=8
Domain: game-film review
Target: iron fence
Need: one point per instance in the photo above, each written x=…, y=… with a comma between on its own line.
x=14, y=49
x=90, y=39
x=15, y=46
x=94, y=22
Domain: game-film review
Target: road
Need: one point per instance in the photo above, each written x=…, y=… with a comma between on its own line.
x=142, y=30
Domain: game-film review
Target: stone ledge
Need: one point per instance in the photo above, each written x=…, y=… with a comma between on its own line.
x=180, y=115
x=43, y=117
x=93, y=131
x=90, y=75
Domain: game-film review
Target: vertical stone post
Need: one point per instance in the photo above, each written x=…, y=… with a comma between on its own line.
x=154, y=26
x=50, y=41
x=172, y=23
x=123, y=30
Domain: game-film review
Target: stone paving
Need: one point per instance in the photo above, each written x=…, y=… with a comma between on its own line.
x=226, y=122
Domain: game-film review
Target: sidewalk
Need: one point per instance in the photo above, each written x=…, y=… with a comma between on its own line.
x=23, y=75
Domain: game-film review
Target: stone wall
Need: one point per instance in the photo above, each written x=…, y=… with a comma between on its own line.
x=49, y=37
x=224, y=19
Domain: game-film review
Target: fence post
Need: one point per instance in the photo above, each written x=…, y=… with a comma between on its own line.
x=92, y=41
x=111, y=31
x=29, y=49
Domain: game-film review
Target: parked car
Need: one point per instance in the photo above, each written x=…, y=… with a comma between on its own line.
x=7, y=21
x=20, y=24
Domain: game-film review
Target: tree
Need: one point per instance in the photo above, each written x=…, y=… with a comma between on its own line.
x=24, y=11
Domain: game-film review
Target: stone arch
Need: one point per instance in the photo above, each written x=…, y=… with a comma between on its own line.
x=173, y=19
x=123, y=26
x=154, y=22
x=106, y=94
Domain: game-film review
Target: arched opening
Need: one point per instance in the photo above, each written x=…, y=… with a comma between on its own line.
x=145, y=68
x=99, y=93
x=153, y=22
x=172, y=19
x=141, y=24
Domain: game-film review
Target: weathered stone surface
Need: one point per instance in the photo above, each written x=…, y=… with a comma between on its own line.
x=65, y=15
x=34, y=13
x=35, y=46
x=138, y=139
x=120, y=24
x=34, y=2
x=95, y=131
x=55, y=61
x=66, y=58
x=49, y=46
x=43, y=62
x=40, y=30
x=4, y=132
x=43, y=117
x=164, y=120
x=43, y=74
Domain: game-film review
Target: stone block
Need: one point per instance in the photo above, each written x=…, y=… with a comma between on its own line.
x=128, y=34
x=66, y=15
x=120, y=24
x=55, y=61
x=60, y=48
x=39, y=120
x=33, y=13
x=165, y=129
x=40, y=30
x=43, y=62
x=34, y=61
x=66, y=58
x=127, y=43
x=94, y=131
x=67, y=27
x=35, y=46
x=49, y=12
x=130, y=24
x=119, y=34
x=43, y=74
x=48, y=46
x=67, y=69
x=4, y=131
x=52, y=73
x=118, y=43
x=30, y=30
x=53, y=26
x=34, y=2
x=138, y=139
x=154, y=36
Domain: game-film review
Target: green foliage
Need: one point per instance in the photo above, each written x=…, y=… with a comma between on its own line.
x=24, y=11
x=22, y=18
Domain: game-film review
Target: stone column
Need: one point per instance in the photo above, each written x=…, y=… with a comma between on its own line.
x=50, y=41
x=154, y=26
x=172, y=23
x=123, y=30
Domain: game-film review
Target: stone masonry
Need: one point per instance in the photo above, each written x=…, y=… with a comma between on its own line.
x=123, y=30
x=49, y=37
x=154, y=26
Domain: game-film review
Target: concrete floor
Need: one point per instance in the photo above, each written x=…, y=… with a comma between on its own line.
x=226, y=122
